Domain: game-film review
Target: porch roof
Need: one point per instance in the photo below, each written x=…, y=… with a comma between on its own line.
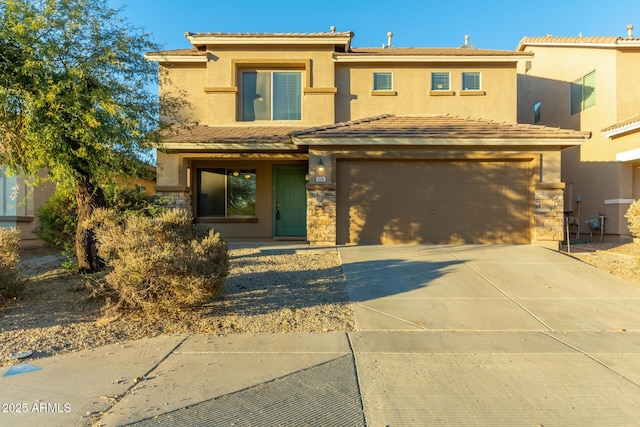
x=438, y=127
x=384, y=129
x=229, y=138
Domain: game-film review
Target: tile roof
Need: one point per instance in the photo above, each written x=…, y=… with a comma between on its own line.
x=222, y=134
x=271, y=35
x=384, y=126
x=179, y=52
x=431, y=51
x=590, y=40
x=623, y=126
x=448, y=127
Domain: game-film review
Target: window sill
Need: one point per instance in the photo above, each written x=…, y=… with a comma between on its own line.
x=384, y=93
x=441, y=93
x=220, y=220
x=14, y=218
x=473, y=93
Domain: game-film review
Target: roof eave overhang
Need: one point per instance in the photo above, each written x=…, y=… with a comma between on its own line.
x=176, y=58
x=228, y=146
x=619, y=44
x=427, y=58
x=273, y=41
x=619, y=131
x=449, y=142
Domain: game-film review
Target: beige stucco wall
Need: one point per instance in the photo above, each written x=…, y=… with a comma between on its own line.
x=339, y=92
x=185, y=81
x=213, y=87
x=604, y=184
x=628, y=90
x=412, y=86
x=553, y=70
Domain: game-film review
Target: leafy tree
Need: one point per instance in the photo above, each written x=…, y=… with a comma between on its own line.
x=73, y=99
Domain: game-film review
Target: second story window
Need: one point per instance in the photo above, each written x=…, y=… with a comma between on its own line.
x=271, y=95
x=471, y=81
x=440, y=81
x=583, y=93
x=536, y=112
x=382, y=81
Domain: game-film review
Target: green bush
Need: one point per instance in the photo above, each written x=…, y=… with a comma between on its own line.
x=161, y=264
x=633, y=218
x=58, y=217
x=9, y=258
x=57, y=221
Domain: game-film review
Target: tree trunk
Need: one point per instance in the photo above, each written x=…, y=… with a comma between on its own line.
x=89, y=196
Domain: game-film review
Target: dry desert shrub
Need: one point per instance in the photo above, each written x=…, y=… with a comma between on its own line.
x=633, y=218
x=161, y=264
x=9, y=258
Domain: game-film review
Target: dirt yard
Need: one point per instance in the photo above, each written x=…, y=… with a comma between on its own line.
x=266, y=291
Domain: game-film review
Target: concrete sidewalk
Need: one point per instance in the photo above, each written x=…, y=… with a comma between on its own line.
x=453, y=335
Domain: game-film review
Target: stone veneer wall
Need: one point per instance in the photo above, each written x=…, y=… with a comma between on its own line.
x=321, y=216
x=178, y=199
x=549, y=216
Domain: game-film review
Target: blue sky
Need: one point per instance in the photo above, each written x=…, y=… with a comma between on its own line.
x=498, y=24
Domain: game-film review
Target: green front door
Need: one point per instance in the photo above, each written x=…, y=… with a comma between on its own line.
x=290, y=201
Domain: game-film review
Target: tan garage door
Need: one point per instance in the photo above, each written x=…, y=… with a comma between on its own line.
x=434, y=202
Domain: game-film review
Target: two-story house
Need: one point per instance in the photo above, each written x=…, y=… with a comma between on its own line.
x=303, y=136
x=589, y=84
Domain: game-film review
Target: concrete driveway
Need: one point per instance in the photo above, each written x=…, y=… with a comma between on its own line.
x=492, y=335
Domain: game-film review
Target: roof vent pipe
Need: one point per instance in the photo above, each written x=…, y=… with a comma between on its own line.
x=630, y=31
x=466, y=40
x=389, y=37
x=333, y=28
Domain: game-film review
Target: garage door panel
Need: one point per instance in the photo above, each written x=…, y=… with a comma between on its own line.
x=434, y=202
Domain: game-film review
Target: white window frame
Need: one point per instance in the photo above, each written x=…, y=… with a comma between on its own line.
x=479, y=81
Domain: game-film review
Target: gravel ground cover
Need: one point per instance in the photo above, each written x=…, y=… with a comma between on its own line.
x=274, y=290
x=620, y=259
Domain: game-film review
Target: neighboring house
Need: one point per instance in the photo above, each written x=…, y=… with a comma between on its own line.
x=302, y=136
x=19, y=202
x=589, y=84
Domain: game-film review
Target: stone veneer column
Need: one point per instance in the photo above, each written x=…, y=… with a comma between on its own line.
x=549, y=214
x=176, y=198
x=321, y=215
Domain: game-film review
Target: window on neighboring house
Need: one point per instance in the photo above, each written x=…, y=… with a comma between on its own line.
x=471, y=81
x=536, y=112
x=382, y=81
x=583, y=93
x=271, y=95
x=440, y=81
x=226, y=193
